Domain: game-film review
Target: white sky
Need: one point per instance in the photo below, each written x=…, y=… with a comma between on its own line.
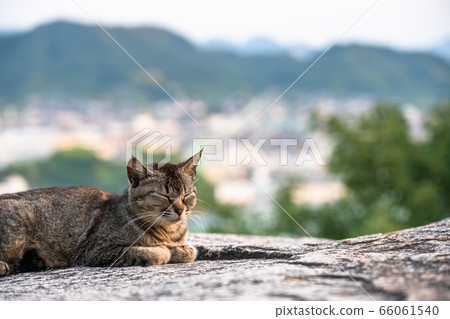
x=405, y=24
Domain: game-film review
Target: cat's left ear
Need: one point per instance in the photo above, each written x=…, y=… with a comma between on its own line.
x=136, y=171
x=190, y=166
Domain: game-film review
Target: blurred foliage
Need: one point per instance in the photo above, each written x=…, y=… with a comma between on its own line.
x=71, y=168
x=217, y=217
x=393, y=181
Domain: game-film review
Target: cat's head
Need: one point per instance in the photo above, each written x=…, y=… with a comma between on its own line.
x=162, y=195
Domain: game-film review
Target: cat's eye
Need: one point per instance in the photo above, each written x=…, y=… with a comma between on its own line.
x=161, y=195
x=186, y=197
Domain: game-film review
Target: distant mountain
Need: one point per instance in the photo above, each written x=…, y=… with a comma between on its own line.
x=5, y=33
x=302, y=52
x=221, y=45
x=68, y=59
x=258, y=46
x=442, y=50
x=262, y=46
x=255, y=46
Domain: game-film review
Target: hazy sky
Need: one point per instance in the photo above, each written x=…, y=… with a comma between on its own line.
x=409, y=24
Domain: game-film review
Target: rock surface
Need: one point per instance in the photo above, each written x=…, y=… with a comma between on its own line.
x=412, y=264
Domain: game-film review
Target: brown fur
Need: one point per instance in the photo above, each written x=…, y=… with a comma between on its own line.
x=84, y=226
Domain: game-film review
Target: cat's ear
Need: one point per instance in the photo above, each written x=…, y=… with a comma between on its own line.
x=136, y=171
x=189, y=166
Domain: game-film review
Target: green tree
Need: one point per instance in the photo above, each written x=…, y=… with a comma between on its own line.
x=377, y=161
x=437, y=153
x=393, y=181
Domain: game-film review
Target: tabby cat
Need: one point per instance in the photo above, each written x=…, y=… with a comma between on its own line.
x=83, y=226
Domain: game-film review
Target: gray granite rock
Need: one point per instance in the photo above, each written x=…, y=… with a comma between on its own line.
x=412, y=264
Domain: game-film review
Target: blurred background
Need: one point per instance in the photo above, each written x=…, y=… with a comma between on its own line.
x=376, y=105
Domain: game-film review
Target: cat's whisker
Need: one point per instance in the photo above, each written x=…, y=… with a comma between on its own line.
x=198, y=225
x=202, y=227
x=139, y=218
x=198, y=219
x=197, y=210
x=204, y=202
x=199, y=213
x=204, y=224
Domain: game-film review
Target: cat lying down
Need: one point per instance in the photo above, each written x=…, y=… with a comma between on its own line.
x=83, y=226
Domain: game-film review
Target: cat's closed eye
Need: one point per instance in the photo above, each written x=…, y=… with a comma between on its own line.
x=159, y=195
x=189, y=199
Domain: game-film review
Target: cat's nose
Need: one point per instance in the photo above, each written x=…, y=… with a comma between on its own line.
x=178, y=206
x=179, y=211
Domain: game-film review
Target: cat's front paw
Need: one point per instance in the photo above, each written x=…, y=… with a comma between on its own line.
x=182, y=254
x=4, y=269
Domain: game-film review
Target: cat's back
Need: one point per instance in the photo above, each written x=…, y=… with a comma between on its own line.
x=56, y=192
x=54, y=198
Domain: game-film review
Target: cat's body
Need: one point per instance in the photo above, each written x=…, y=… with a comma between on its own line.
x=74, y=226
